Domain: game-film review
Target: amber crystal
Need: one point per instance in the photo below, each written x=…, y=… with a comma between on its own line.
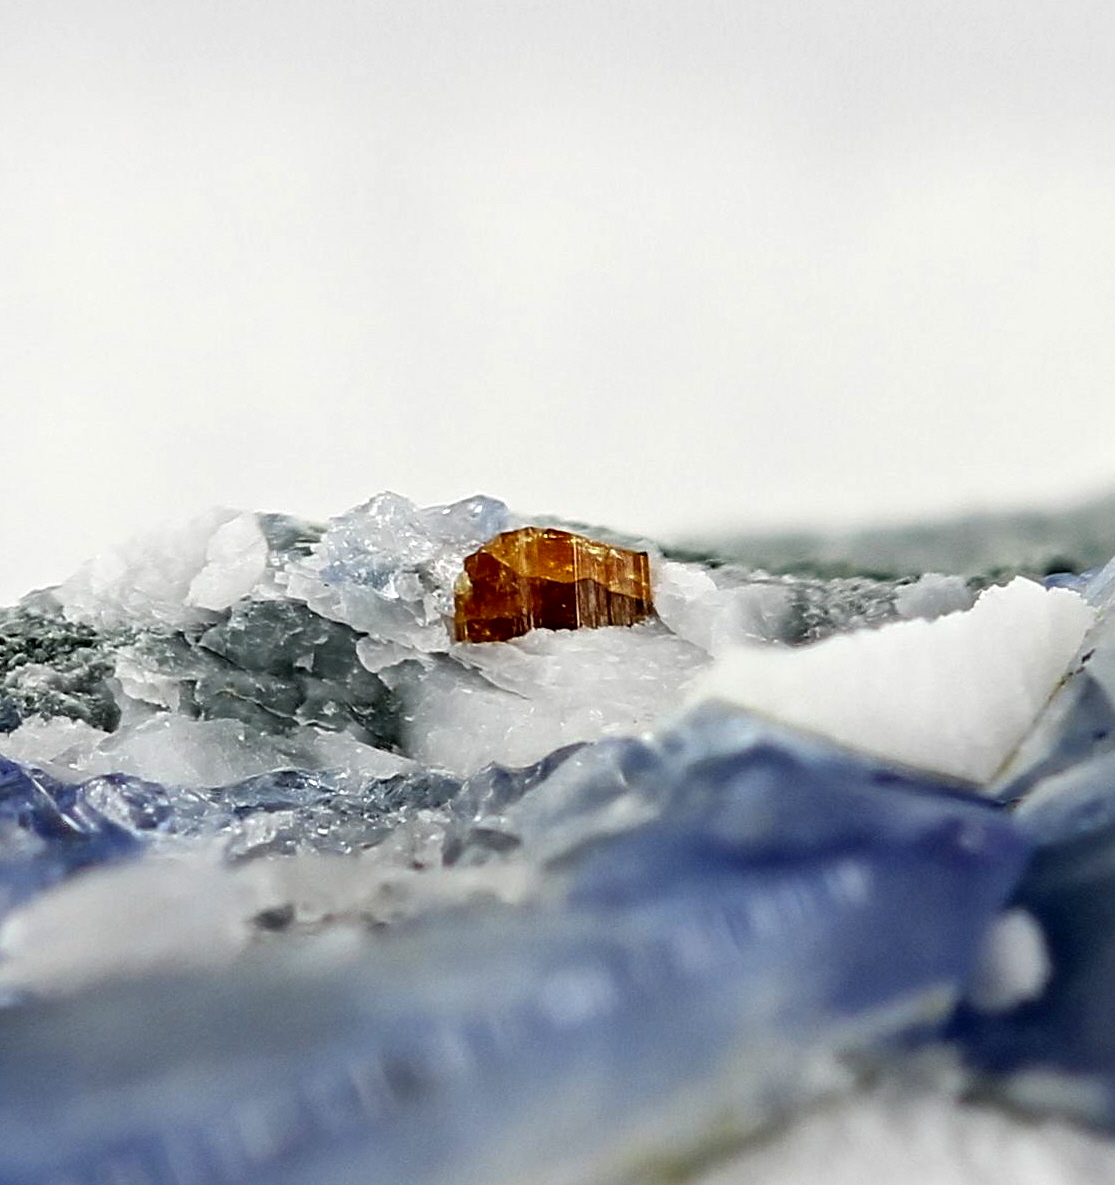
x=539, y=577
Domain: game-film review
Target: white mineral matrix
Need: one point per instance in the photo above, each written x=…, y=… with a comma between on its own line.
x=955, y=695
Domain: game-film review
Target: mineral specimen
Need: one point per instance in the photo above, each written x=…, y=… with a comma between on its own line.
x=299, y=887
x=549, y=579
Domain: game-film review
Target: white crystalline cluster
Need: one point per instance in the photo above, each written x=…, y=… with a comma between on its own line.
x=59, y=745
x=956, y=695
x=387, y=568
x=514, y=702
x=922, y=1134
x=175, y=750
x=116, y=920
x=169, y=580
x=235, y=563
x=714, y=617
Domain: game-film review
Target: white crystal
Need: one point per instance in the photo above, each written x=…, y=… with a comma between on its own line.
x=175, y=750
x=696, y=608
x=956, y=695
x=58, y=745
x=146, y=582
x=388, y=568
x=1014, y=964
x=158, y=913
x=236, y=561
x=932, y=596
x=514, y=702
x=919, y=1134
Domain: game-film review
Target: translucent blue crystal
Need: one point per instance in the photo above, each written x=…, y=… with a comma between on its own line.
x=388, y=539
x=1065, y=1038
x=779, y=903
x=49, y=830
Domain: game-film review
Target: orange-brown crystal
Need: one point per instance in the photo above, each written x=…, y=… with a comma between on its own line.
x=539, y=577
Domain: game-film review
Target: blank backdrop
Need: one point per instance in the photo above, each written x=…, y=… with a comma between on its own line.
x=659, y=264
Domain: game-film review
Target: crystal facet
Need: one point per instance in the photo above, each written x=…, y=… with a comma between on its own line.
x=545, y=578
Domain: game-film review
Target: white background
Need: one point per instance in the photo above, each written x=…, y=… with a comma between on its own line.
x=658, y=264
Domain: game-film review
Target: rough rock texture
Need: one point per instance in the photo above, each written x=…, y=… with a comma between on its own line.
x=52, y=666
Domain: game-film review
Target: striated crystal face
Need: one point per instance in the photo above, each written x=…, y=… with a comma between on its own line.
x=543, y=578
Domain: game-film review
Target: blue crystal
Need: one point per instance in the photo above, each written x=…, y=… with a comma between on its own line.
x=783, y=900
x=1068, y=1032
x=49, y=830
x=1076, y=581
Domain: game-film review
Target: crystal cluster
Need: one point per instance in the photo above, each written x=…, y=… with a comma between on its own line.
x=435, y=845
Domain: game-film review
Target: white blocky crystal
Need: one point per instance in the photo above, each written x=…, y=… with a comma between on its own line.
x=688, y=599
x=174, y=750
x=514, y=702
x=955, y=696
x=236, y=561
x=933, y=595
x=148, y=581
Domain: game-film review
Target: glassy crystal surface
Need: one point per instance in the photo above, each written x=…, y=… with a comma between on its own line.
x=544, y=578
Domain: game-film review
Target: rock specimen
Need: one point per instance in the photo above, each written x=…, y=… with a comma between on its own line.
x=295, y=890
x=543, y=578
